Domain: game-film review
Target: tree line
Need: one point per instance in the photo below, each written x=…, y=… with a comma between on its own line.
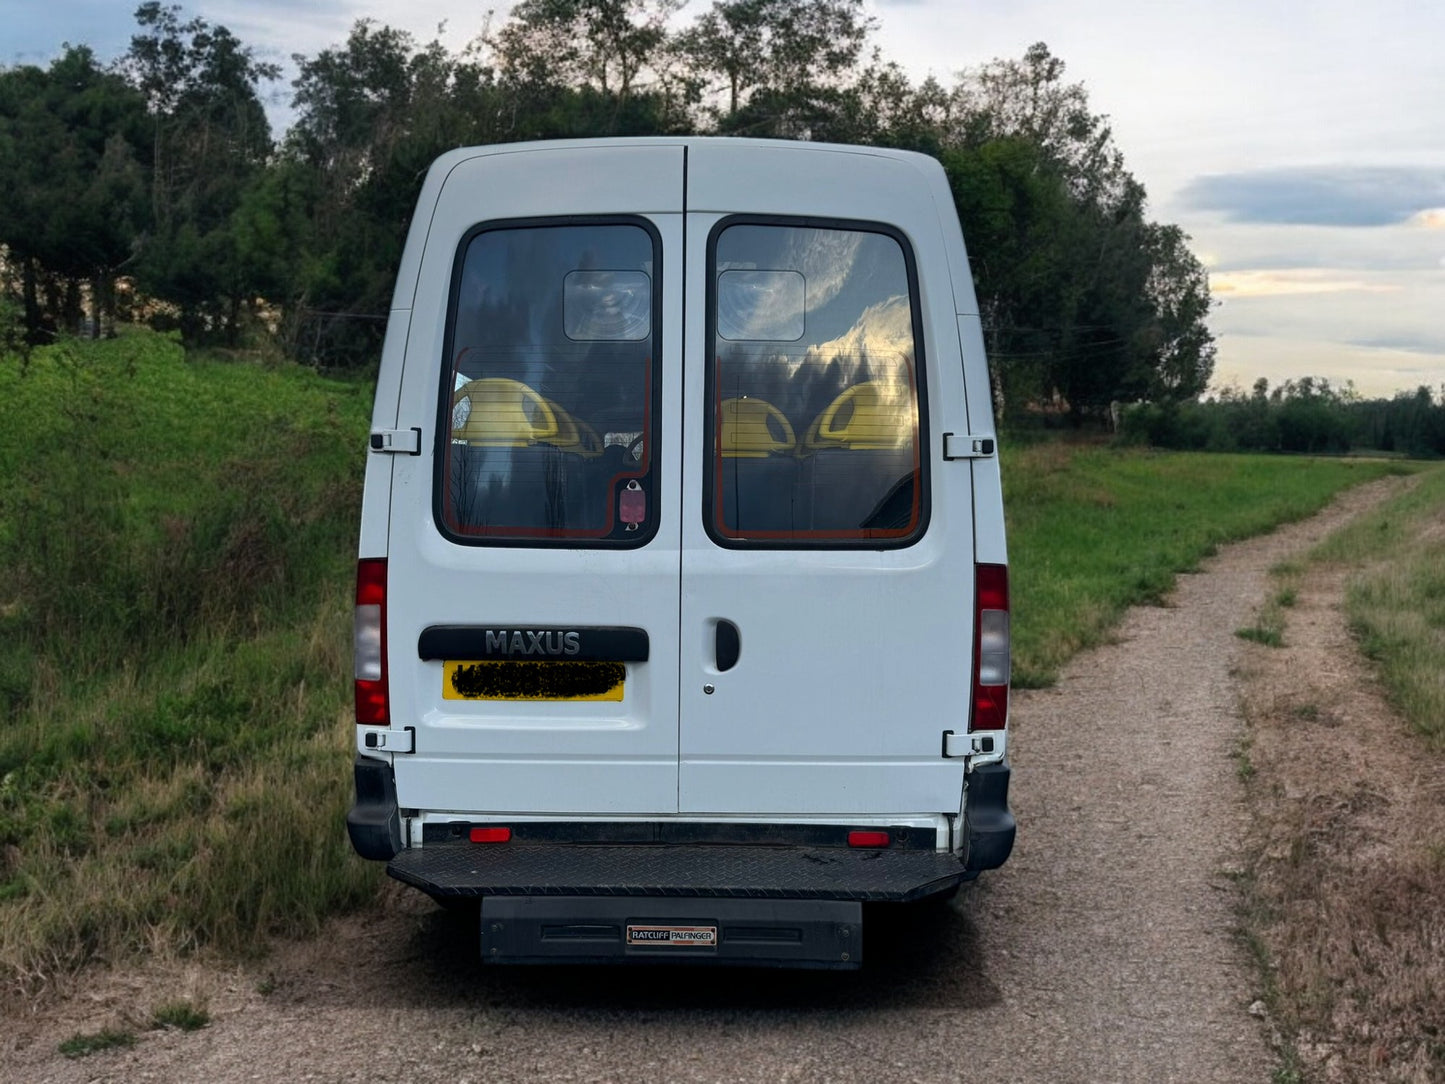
x=1310, y=415
x=152, y=187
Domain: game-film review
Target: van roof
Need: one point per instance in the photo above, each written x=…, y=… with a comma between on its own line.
x=791, y=146
x=744, y=156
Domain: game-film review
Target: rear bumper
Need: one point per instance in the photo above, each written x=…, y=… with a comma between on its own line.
x=987, y=820
x=715, y=904
x=718, y=871
x=374, y=825
x=374, y=821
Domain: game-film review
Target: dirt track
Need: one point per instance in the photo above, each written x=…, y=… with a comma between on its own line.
x=1104, y=951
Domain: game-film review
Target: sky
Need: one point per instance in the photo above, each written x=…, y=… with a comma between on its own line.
x=1300, y=143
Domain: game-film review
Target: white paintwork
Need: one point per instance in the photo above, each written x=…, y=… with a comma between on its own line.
x=563, y=758
x=854, y=662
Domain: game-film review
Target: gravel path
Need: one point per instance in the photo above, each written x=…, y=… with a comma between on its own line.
x=1104, y=951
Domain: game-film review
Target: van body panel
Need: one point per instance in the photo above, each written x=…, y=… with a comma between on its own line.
x=536, y=756
x=826, y=709
x=376, y=507
x=980, y=420
x=786, y=532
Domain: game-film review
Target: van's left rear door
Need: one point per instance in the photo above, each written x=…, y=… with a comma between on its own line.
x=533, y=557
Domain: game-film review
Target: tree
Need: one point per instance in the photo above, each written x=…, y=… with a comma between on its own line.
x=605, y=45
x=1180, y=349
x=590, y=67
x=372, y=114
x=1082, y=296
x=210, y=139
x=1021, y=227
x=776, y=61
x=72, y=162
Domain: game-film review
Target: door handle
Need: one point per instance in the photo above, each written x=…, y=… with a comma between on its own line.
x=729, y=645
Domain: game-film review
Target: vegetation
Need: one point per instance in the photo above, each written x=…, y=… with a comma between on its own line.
x=1396, y=599
x=152, y=188
x=178, y=545
x=1269, y=625
x=1307, y=415
x=1345, y=887
x=180, y=1015
x=1093, y=531
x=82, y=1045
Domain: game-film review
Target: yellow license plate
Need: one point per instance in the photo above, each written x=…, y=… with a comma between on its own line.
x=532, y=680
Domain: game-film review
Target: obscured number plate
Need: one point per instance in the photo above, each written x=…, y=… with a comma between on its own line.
x=673, y=936
x=532, y=680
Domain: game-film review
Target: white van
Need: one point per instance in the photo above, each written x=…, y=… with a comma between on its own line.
x=682, y=608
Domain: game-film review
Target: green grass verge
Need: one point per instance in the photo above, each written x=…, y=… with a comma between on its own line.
x=1093, y=531
x=1396, y=599
x=174, y=724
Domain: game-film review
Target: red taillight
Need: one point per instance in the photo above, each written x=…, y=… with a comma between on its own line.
x=991, y=648
x=867, y=839
x=369, y=643
x=490, y=835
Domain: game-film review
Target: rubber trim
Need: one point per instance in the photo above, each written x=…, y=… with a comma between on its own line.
x=988, y=823
x=374, y=821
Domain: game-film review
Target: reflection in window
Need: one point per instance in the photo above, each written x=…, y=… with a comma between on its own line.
x=814, y=414
x=607, y=305
x=550, y=392
x=760, y=305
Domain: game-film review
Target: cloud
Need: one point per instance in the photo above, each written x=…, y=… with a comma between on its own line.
x=1401, y=250
x=1291, y=281
x=1320, y=196
x=1403, y=344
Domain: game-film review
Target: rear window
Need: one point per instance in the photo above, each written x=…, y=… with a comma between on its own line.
x=549, y=400
x=814, y=429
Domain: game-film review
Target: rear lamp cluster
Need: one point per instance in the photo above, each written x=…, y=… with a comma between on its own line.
x=373, y=707
x=991, y=653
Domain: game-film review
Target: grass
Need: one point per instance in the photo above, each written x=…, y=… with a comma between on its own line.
x=180, y=1015
x=173, y=644
x=1268, y=634
x=178, y=542
x=1243, y=762
x=83, y=1045
x=1396, y=599
x=1093, y=531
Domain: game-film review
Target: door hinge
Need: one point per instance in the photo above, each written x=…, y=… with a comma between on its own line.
x=397, y=440
x=966, y=745
x=962, y=446
x=380, y=740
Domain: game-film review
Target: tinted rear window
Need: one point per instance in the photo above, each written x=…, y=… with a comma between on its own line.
x=814, y=419
x=549, y=399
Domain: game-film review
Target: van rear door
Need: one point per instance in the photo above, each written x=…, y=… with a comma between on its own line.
x=533, y=575
x=827, y=560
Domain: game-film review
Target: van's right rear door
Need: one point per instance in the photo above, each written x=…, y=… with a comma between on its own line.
x=827, y=583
